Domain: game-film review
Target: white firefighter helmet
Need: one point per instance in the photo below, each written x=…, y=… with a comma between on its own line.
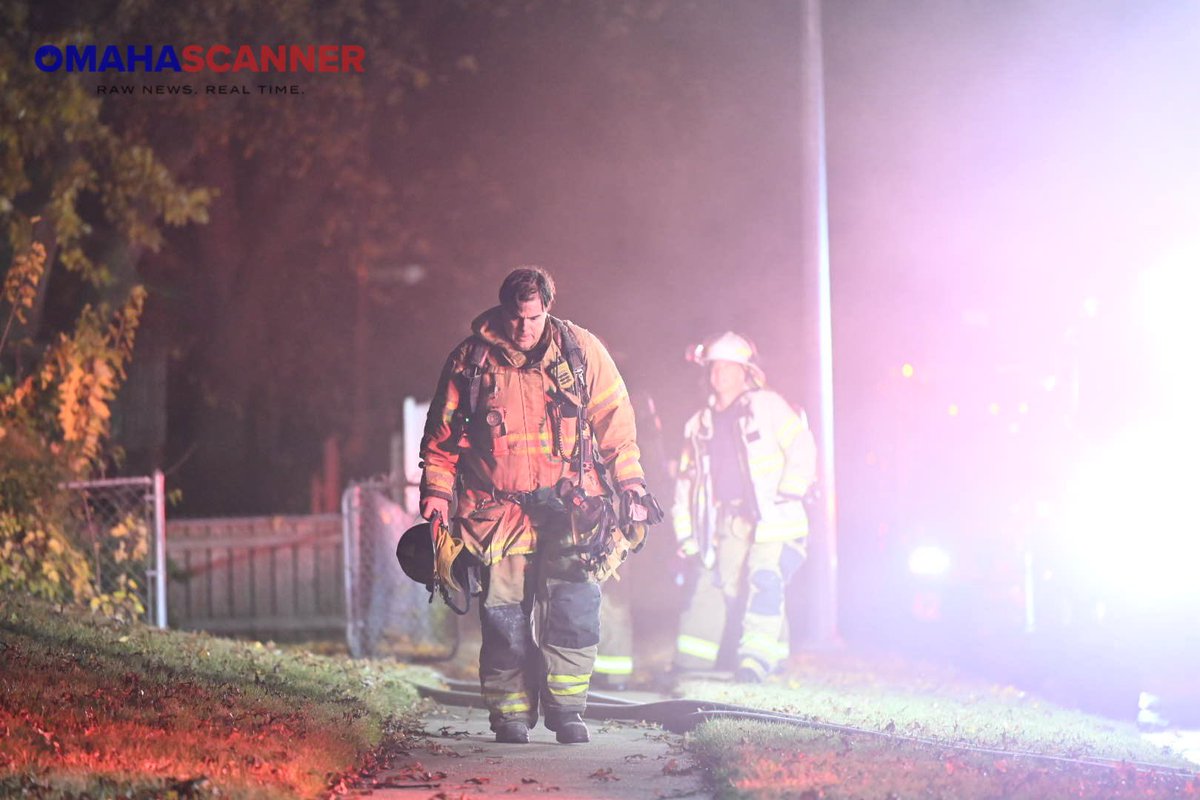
x=733, y=347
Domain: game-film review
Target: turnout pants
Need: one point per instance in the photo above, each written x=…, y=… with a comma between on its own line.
x=539, y=641
x=614, y=660
x=744, y=588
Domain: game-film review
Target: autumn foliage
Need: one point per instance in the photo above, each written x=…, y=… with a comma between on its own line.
x=54, y=423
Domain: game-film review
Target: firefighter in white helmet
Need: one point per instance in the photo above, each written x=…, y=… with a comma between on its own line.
x=747, y=463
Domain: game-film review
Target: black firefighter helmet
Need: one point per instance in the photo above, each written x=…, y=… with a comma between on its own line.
x=414, y=551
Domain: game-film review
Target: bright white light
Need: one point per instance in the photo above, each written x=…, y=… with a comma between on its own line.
x=929, y=561
x=1170, y=306
x=1130, y=518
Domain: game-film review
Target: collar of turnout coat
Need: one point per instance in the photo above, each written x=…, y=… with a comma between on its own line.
x=489, y=327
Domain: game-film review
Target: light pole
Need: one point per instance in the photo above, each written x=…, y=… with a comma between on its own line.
x=823, y=630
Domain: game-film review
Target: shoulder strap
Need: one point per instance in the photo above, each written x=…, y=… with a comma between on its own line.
x=574, y=355
x=577, y=363
x=476, y=358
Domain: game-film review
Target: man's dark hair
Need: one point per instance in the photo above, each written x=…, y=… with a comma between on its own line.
x=526, y=283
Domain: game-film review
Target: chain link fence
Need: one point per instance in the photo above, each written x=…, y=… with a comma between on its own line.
x=121, y=525
x=387, y=614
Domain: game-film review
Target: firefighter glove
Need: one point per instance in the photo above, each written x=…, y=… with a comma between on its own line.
x=445, y=550
x=639, y=509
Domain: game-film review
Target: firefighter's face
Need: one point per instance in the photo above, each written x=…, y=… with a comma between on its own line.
x=524, y=324
x=727, y=377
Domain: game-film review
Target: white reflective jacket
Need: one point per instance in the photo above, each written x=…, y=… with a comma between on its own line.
x=779, y=456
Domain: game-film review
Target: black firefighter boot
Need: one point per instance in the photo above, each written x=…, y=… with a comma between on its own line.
x=568, y=727
x=512, y=732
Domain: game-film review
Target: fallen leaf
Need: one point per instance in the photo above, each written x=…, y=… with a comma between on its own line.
x=673, y=767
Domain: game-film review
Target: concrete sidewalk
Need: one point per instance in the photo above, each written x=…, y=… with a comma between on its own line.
x=457, y=758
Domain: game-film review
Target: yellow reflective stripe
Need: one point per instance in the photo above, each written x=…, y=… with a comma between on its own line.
x=628, y=465
x=495, y=552
x=530, y=451
x=767, y=463
x=512, y=707
x=438, y=476
x=781, y=530
x=629, y=474
x=695, y=646
x=567, y=691
x=614, y=665
x=513, y=438
x=752, y=664
x=522, y=544
x=792, y=484
x=567, y=685
x=685, y=461
x=519, y=444
x=449, y=408
x=602, y=399
x=683, y=527
x=568, y=678
x=762, y=644
x=506, y=701
x=788, y=431
x=627, y=456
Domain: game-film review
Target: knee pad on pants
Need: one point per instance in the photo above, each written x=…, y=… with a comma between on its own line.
x=767, y=597
x=505, y=635
x=573, y=614
x=792, y=558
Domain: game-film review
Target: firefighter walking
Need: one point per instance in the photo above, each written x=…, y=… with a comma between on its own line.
x=531, y=436
x=747, y=463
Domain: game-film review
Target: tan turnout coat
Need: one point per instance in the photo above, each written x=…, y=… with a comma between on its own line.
x=515, y=442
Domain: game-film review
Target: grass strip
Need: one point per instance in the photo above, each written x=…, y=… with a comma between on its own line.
x=953, y=714
x=95, y=707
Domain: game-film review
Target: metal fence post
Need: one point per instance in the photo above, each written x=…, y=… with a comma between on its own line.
x=160, y=548
x=350, y=567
